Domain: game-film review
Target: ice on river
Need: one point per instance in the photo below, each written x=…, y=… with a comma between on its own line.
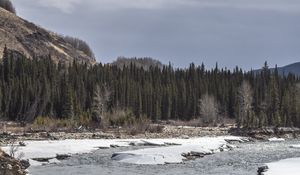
x=175, y=154
x=165, y=153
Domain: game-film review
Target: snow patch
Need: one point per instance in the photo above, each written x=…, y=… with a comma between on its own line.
x=58, y=49
x=275, y=139
x=50, y=149
x=287, y=166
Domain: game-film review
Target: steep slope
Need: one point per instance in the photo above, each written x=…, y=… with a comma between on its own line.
x=27, y=38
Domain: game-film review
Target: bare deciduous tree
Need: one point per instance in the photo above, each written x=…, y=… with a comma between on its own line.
x=245, y=95
x=208, y=109
x=100, y=100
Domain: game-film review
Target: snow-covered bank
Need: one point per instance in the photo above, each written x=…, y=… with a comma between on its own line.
x=50, y=149
x=164, y=154
x=287, y=166
x=177, y=154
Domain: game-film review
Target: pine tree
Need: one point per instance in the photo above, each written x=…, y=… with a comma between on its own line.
x=67, y=110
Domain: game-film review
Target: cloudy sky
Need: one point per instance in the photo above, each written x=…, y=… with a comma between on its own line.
x=230, y=32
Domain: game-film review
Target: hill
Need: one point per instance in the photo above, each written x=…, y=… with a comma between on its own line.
x=33, y=41
x=146, y=63
x=291, y=68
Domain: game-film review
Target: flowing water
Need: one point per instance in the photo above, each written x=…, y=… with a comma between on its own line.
x=243, y=160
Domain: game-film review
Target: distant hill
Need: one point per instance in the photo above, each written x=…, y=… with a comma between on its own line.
x=291, y=68
x=146, y=63
x=33, y=41
x=288, y=69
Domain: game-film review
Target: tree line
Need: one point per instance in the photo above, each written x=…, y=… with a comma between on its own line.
x=31, y=88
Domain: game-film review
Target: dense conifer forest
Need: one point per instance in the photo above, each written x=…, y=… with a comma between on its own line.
x=39, y=87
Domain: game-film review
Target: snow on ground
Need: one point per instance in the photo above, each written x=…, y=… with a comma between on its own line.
x=287, y=166
x=275, y=139
x=174, y=154
x=165, y=153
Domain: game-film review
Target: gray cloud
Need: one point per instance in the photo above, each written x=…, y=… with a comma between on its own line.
x=70, y=5
x=232, y=32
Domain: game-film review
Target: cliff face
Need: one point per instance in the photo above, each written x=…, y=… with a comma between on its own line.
x=29, y=39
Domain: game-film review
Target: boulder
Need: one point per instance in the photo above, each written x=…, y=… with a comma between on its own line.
x=262, y=169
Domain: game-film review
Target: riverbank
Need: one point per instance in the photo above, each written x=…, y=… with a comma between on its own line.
x=167, y=131
x=14, y=133
x=10, y=166
x=267, y=132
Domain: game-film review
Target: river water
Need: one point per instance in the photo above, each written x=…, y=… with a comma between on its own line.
x=243, y=160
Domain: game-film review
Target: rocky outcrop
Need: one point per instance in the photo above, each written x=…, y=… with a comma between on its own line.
x=33, y=41
x=10, y=166
x=262, y=169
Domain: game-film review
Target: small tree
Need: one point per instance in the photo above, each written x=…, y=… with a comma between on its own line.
x=208, y=109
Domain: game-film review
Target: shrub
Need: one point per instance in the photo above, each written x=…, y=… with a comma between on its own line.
x=121, y=118
x=131, y=124
x=47, y=123
x=7, y=5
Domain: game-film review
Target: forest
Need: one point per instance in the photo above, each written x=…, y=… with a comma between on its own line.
x=31, y=88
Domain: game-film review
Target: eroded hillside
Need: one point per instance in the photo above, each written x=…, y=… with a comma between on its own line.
x=31, y=40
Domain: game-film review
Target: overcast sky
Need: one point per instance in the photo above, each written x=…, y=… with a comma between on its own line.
x=230, y=32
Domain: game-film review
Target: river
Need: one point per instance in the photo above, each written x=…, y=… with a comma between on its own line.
x=243, y=160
